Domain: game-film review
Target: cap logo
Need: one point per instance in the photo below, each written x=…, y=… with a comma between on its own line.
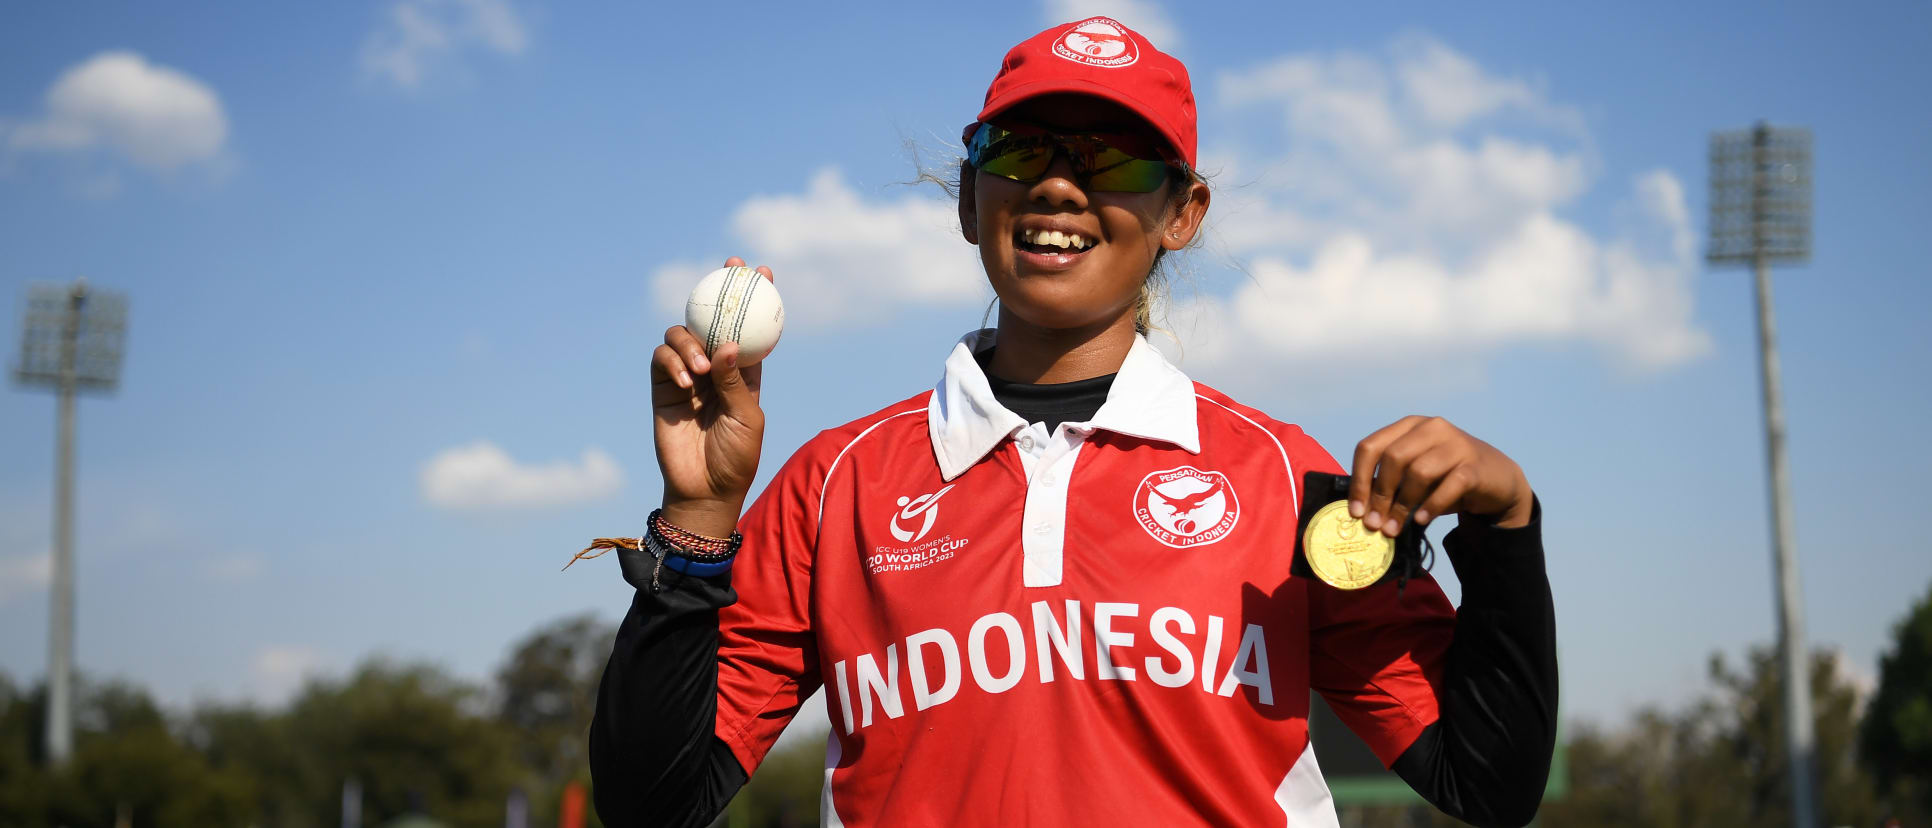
x=1186, y=506
x=1097, y=41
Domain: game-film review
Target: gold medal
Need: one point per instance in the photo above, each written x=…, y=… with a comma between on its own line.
x=1344, y=553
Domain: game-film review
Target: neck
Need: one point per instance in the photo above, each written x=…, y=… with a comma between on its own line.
x=1031, y=354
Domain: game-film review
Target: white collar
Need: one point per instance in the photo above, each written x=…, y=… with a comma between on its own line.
x=1150, y=399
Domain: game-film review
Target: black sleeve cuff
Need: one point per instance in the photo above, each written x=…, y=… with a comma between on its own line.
x=1498, y=567
x=638, y=565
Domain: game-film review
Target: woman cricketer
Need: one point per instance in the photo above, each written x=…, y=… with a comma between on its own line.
x=1056, y=587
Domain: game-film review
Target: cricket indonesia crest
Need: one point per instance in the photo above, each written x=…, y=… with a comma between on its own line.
x=1097, y=41
x=1186, y=506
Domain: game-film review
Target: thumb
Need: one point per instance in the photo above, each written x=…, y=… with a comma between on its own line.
x=730, y=381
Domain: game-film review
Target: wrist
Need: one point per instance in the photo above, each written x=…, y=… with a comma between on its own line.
x=711, y=518
x=1518, y=515
x=1520, y=510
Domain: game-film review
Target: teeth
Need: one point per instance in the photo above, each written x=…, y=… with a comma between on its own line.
x=1055, y=238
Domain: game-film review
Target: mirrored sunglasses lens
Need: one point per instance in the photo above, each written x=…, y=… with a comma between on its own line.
x=1020, y=163
x=1005, y=154
x=1131, y=176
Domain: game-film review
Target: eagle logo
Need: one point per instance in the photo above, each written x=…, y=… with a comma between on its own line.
x=1097, y=41
x=1186, y=506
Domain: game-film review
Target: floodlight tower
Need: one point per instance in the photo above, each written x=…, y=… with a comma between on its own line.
x=71, y=342
x=1760, y=214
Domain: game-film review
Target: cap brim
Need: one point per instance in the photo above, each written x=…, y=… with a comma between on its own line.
x=1026, y=92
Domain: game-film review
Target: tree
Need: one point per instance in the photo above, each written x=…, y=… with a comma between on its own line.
x=127, y=761
x=1897, y=736
x=546, y=692
x=784, y=793
x=1722, y=760
x=22, y=788
x=407, y=733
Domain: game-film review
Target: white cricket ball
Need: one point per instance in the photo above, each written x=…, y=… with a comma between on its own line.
x=736, y=304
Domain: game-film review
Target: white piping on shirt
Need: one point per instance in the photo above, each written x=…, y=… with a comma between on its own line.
x=1294, y=493
x=826, y=483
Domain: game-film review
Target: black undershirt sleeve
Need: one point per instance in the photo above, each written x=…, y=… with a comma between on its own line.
x=1486, y=759
x=654, y=756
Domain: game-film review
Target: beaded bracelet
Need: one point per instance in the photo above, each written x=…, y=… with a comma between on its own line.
x=688, y=544
x=671, y=546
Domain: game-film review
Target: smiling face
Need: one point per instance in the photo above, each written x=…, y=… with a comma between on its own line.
x=1025, y=230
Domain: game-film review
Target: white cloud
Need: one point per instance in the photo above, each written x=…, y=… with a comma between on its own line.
x=837, y=255
x=279, y=671
x=155, y=116
x=1447, y=89
x=1144, y=16
x=418, y=36
x=21, y=574
x=482, y=475
x=1407, y=206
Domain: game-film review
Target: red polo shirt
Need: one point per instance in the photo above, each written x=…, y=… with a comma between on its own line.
x=1094, y=625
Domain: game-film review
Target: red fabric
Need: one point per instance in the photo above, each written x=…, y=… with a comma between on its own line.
x=1099, y=56
x=570, y=812
x=845, y=599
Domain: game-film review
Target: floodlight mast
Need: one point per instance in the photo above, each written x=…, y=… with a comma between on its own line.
x=1760, y=214
x=72, y=341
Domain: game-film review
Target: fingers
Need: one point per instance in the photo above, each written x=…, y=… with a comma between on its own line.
x=1448, y=494
x=675, y=367
x=762, y=270
x=754, y=376
x=1402, y=473
x=1368, y=454
x=668, y=367
x=1420, y=478
x=680, y=339
x=1390, y=474
x=733, y=389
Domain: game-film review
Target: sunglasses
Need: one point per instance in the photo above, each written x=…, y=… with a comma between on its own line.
x=1102, y=162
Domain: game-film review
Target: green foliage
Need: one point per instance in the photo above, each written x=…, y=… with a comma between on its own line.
x=546, y=693
x=785, y=789
x=1897, y=736
x=1722, y=760
x=126, y=763
x=408, y=733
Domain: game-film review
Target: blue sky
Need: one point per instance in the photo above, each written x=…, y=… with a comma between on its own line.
x=395, y=269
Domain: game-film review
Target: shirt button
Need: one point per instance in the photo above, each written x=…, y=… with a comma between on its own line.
x=1026, y=443
x=1041, y=529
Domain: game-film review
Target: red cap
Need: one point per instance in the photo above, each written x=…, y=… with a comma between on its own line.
x=1098, y=56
